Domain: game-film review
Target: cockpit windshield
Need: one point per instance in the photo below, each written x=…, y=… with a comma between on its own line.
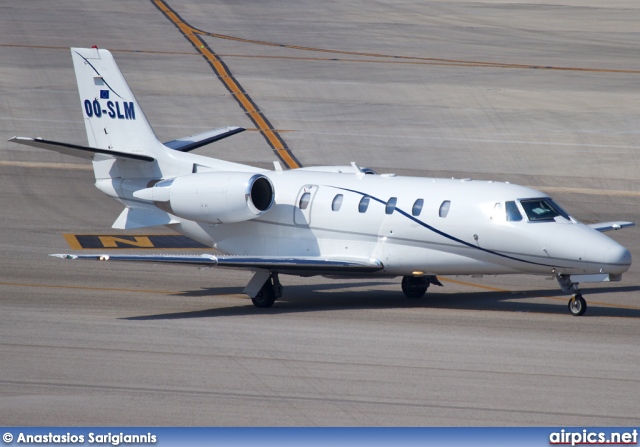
x=542, y=209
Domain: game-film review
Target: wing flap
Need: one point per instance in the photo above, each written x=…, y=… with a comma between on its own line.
x=303, y=264
x=76, y=151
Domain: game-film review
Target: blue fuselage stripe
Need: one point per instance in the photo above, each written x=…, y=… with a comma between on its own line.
x=443, y=234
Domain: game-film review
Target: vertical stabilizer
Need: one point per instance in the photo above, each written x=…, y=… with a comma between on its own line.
x=112, y=116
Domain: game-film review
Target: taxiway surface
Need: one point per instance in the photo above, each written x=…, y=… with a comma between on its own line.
x=532, y=92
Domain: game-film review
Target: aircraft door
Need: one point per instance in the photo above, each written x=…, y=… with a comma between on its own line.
x=302, y=207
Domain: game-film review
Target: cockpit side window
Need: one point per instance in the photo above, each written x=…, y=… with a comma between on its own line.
x=513, y=213
x=542, y=210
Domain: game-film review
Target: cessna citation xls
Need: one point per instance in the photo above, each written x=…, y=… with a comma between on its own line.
x=340, y=221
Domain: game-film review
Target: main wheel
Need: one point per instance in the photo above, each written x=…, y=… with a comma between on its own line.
x=577, y=305
x=266, y=296
x=414, y=287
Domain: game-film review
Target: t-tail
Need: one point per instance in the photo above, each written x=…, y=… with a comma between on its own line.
x=112, y=116
x=126, y=154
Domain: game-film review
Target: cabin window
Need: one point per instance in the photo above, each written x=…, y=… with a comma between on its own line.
x=304, y=201
x=364, y=204
x=513, y=213
x=337, y=202
x=444, y=208
x=417, y=207
x=543, y=209
x=391, y=205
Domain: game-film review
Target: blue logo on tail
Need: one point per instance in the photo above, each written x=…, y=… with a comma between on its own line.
x=104, y=94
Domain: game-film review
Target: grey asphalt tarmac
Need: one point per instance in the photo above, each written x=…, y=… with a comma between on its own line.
x=536, y=93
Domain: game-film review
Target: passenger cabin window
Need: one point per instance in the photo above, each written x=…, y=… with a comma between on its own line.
x=542, y=210
x=391, y=205
x=337, y=202
x=304, y=201
x=364, y=204
x=444, y=208
x=513, y=213
x=417, y=207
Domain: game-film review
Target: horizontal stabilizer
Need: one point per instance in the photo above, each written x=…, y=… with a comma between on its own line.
x=192, y=142
x=77, y=151
x=274, y=263
x=142, y=217
x=608, y=226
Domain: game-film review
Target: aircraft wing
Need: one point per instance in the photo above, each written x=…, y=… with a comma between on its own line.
x=608, y=226
x=75, y=150
x=192, y=142
x=296, y=265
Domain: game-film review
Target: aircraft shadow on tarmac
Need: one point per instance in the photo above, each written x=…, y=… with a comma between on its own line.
x=313, y=298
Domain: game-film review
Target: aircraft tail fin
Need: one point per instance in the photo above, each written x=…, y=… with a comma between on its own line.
x=113, y=119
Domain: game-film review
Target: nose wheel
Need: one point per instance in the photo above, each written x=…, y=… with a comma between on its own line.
x=577, y=305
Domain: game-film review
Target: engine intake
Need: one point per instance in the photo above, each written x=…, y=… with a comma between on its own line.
x=215, y=197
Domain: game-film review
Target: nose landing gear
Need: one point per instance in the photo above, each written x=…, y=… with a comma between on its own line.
x=577, y=304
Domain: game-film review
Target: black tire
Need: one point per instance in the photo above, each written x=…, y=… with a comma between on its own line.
x=577, y=305
x=265, y=297
x=414, y=287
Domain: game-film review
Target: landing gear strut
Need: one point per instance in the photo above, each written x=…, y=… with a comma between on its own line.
x=270, y=291
x=577, y=304
x=416, y=286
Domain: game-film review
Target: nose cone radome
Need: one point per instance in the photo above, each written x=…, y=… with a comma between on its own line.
x=617, y=258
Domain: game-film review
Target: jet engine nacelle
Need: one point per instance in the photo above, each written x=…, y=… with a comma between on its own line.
x=215, y=197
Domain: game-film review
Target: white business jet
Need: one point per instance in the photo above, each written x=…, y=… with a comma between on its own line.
x=338, y=221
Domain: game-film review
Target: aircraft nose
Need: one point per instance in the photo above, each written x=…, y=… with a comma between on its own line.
x=618, y=258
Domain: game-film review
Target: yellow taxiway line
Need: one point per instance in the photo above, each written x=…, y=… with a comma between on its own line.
x=244, y=100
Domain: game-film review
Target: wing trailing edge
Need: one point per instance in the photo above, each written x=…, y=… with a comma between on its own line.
x=301, y=264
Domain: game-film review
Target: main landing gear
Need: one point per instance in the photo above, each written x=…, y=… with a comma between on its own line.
x=270, y=291
x=416, y=286
x=577, y=304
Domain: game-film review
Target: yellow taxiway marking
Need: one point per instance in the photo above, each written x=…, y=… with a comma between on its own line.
x=595, y=192
x=417, y=58
x=555, y=298
x=88, y=167
x=379, y=57
x=470, y=284
x=112, y=289
x=243, y=99
x=108, y=289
